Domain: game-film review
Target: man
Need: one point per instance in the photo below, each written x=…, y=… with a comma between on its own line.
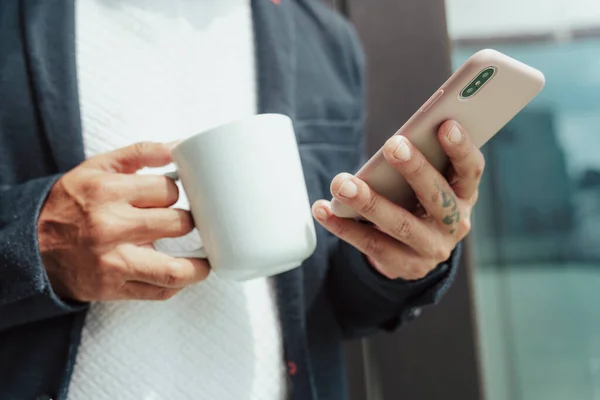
x=91, y=90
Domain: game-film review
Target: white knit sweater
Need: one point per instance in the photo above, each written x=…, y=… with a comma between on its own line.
x=162, y=70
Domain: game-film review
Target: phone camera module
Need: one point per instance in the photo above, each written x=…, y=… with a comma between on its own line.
x=478, y=82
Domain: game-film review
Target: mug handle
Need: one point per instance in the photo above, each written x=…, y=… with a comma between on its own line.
x=197, y=253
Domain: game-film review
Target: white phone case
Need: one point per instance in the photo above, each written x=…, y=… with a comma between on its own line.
x=512, y=86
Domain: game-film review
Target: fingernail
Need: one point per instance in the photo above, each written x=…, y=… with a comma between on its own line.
x=402, y=151
x=321, y=214
x=455, y=135
x=348, y=189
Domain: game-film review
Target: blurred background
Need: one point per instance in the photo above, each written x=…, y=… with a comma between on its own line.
x=522, y=321
x=536, y=236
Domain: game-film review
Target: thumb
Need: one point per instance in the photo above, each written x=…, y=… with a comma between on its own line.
x=132, y=158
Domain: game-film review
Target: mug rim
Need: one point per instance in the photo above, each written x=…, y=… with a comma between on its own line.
x=214, y=129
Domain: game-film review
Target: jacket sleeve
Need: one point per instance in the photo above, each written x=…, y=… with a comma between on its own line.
x=364, y=300
x=25, y=292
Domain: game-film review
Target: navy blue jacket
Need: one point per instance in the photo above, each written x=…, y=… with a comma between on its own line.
x=310, y=67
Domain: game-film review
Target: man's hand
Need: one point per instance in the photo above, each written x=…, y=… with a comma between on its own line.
x=402, y=244
x=95, y=228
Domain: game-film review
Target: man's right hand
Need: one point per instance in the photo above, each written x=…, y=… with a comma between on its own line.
x=95, y=229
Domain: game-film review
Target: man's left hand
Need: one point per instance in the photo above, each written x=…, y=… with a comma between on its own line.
x=401, y=244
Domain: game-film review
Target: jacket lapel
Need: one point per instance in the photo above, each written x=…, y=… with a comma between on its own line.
x=49, y=36
x=276, y=66
x=275, y=55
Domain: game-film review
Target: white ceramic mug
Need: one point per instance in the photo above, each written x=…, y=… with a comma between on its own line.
x=247, y=194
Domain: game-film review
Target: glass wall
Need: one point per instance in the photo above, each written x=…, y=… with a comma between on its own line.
x=536, y=231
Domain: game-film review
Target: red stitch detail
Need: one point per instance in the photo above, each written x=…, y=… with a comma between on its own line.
x=278, y=2
x=292, y=368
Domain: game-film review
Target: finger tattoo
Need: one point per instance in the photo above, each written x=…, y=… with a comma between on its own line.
x=450, y=205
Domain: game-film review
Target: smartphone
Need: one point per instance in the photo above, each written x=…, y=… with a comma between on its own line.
x=483, y=95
